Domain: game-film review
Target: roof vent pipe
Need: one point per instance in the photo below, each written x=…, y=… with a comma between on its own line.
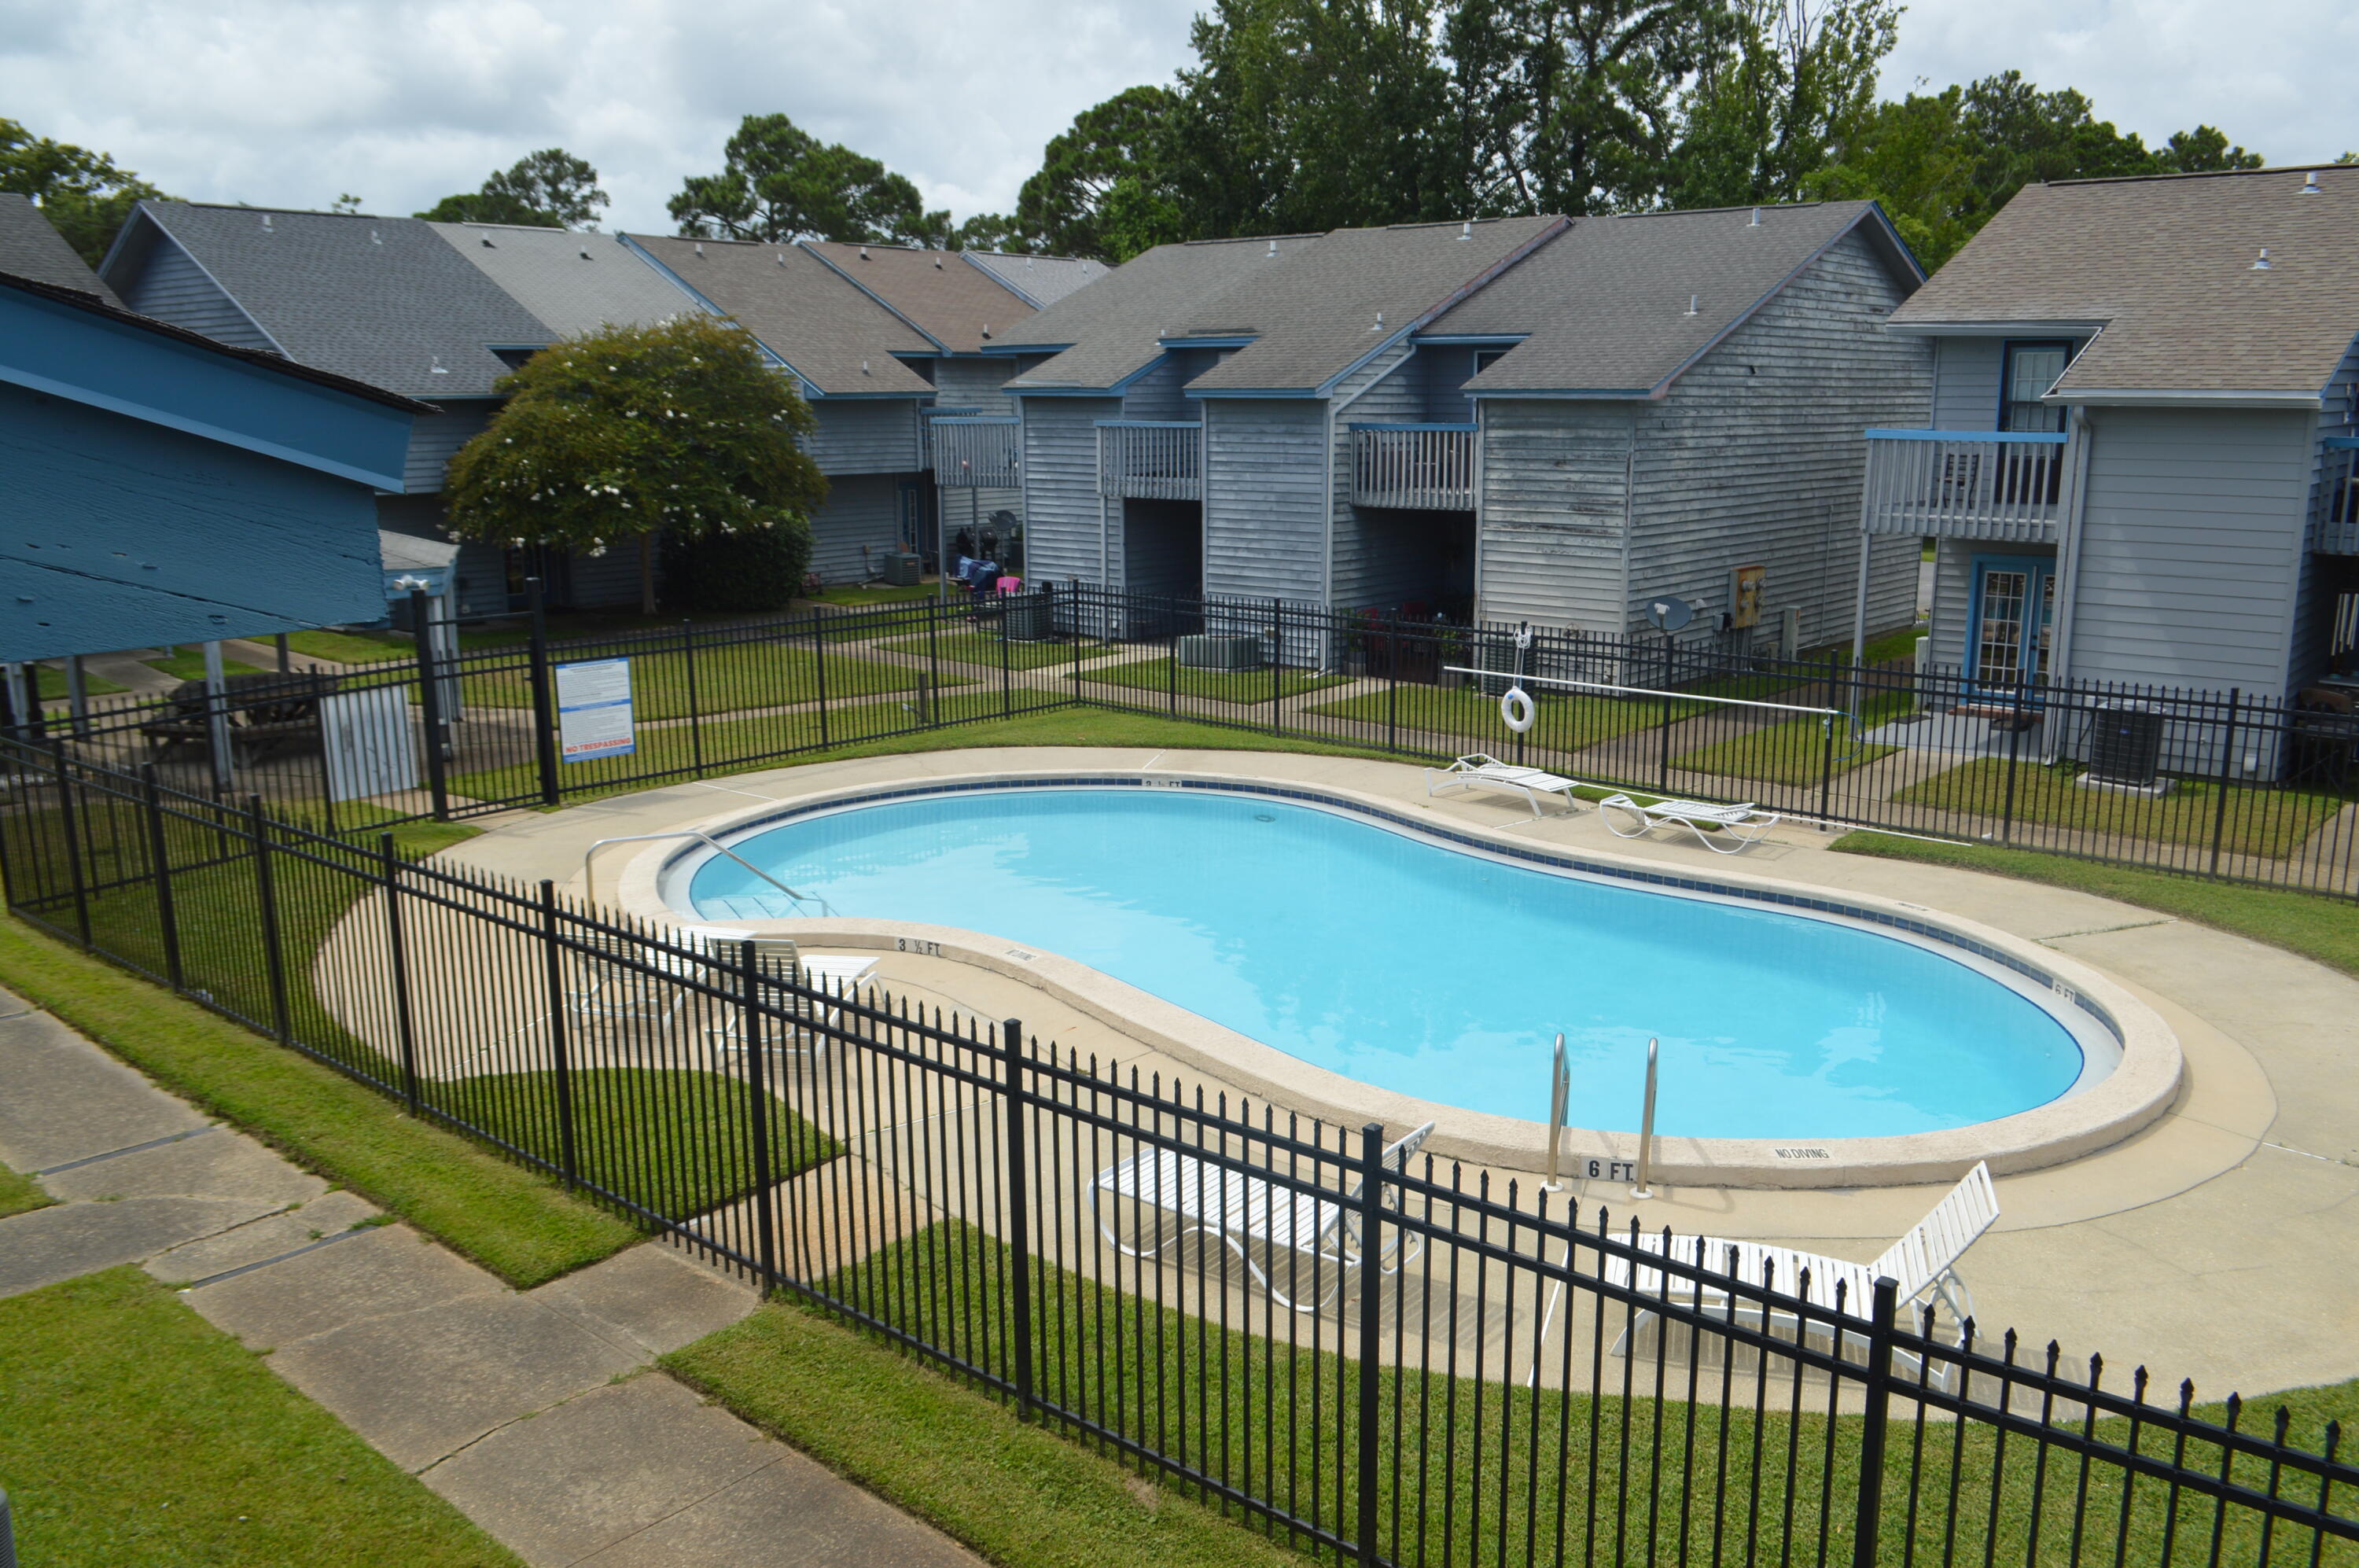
x=1380, y=322
x=2262, y=263
x=266, y=222
x=488, y=244
x=864, y=252
x=699, y=246
x=1273, y=244
x=986, y=331
x=863, y=367
x=1756, y=219
x=375, y=238
x=586, y=253
x=2310, y=183
x=1692, y=305
x=1466, y=230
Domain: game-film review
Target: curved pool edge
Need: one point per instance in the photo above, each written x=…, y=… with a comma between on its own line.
x=2138, y=1091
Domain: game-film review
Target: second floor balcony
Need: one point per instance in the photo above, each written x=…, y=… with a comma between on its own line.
x=1980, y=484
x=1417, y=467
x=1151, y=460
x=972, y=454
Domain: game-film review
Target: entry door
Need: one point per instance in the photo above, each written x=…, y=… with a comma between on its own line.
x=2014, y=604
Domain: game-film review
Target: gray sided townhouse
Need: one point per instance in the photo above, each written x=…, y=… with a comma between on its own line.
x=441, y=311
x=2137, y=464
x=888, y=346
x=1533, y=419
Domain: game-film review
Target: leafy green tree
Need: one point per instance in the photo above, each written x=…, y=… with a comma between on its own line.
x=85, y=197
x=779, y=183
x=550, y=189
x=681, y=427
x=2203, y=150
x=1781, y=83
x=1119, y=145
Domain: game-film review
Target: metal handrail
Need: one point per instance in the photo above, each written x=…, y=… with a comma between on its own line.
x=1646, y=1127
x=590, y=885
x=1560, y=1093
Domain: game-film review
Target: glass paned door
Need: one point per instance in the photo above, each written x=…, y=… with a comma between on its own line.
x=2014, y=604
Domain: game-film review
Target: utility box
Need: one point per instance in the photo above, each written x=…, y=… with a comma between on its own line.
x=904, y=570
x=2126, y=747
x=1212, y=651
x=1029, y=618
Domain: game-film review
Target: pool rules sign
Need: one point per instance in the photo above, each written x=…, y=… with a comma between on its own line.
x=593, y=709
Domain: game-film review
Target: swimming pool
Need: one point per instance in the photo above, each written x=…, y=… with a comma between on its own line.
x=1417, y=967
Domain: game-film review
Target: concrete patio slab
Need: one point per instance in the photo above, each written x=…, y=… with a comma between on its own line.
x=584, y=1475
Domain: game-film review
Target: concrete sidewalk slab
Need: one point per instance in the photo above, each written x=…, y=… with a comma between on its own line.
x=389, y=1271
x=273, y=1235
x=211, y=1166
x=46, y=1245
x=654, y=1298
x=578, y=1478
x=420, y=1385
x=63, y=1100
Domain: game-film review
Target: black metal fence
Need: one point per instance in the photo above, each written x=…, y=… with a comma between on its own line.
x=1373, y=1355
x=2251, y=786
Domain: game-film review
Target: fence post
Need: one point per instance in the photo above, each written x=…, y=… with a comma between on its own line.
x=544, y=701
x=273, y=951
x=1171, y=674
x=1276, y=660
x=1006, y=676
x=1827, y=747
x=933, y=665
x=695, y=719
x=391, y=864
x=1372, y=1290
x=757, y=1072
x=429, y=698
x=2227, y=764
x=73, y=841
x=560, y=1069
x=1663, y=757
x=168, y=919
x=2014, y=761
x=819, y=664
x=1877, y=1389
x=1019, y=1218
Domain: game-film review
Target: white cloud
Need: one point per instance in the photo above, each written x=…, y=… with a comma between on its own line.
x=292, y=102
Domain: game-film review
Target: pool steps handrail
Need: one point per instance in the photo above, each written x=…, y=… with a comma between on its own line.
x=1560, y=1093
x=1646, y=1125
x=589, y=884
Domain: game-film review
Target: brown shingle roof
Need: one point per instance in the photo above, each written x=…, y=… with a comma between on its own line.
x=2166, y=267
x=832, y=336
x=947, y=300
x=1111, y=329
x=1604, y=309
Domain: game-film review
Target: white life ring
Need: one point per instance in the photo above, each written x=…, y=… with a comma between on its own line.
x=1516, y=709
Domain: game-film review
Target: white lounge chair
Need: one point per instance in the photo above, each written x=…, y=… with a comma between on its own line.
x=839, y=977
x=1924, y=1262
x=1263, y=1222
x=1738, y=827
x=1531, y=783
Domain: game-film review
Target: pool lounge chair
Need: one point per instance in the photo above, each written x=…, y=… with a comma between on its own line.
x=1738, y=827
x=1924, y=1262
x=1283, y=1237
x=780, y=956
x=1531, y=783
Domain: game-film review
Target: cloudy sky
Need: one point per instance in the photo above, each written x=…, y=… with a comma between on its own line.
x=290, y=103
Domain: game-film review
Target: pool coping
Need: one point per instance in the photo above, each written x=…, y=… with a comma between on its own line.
x=2138, y=1091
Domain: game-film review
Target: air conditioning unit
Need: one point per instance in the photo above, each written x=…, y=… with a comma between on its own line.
x=904, y=570
x=2126, y=747
x=1213, y=652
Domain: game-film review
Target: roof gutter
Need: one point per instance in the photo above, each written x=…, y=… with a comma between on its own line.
x=2052, y=327
x=2139, y=398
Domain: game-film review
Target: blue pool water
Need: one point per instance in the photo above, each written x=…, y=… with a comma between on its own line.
x=1414, y=967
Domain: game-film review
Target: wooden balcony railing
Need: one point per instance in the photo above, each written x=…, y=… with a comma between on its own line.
x=1983, y=484
x=1420, y=467
x=2338, y=484
x=1151, y=460
x=977, y=453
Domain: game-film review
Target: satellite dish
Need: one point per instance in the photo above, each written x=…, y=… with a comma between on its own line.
x=1668, y=615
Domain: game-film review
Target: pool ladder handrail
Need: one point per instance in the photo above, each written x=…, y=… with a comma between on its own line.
x=1560, y=1094
x=589, y=883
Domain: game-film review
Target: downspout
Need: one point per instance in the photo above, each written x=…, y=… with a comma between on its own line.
x=1482, y=444
x=2071, y=517
x=1105, y=581
x=1866, y=550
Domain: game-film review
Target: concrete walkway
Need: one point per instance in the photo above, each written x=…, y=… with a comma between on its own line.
x=537, y=1414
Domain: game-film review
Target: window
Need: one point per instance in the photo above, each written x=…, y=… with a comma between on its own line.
x=2026, y=371
x=1485, y=358
x=2014, y=601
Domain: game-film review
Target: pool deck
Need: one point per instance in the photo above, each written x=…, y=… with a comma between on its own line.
x=2218, y=1244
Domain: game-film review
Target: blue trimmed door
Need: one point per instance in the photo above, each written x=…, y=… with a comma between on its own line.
x=2014, y=606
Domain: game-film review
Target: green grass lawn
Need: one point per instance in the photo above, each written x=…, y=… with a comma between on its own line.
x=352, y=647
x=137, y=1435
x=867, y=595
x=1186, y=1384
x=52, y=687
x=985, y=648
x=1246, y=686
x=20, y=1193
x=1468, y=719
x=2268, y=822
x=1795, y=751
x=189, y=664
x=2311, y=924
x=763, y=674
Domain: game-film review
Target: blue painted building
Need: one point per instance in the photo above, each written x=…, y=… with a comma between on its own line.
x=164, y=487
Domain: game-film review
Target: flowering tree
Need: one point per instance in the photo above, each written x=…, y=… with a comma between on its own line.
x=681, y=427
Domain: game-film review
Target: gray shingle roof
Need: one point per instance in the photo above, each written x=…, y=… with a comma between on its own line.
x=2167, y=265
x=1111, y=329
x=30, y=249
x=801, y=311
x=574, y=283
x=383, y=300
x=1605, y=306
x=1042, y=280
x=954, y=304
